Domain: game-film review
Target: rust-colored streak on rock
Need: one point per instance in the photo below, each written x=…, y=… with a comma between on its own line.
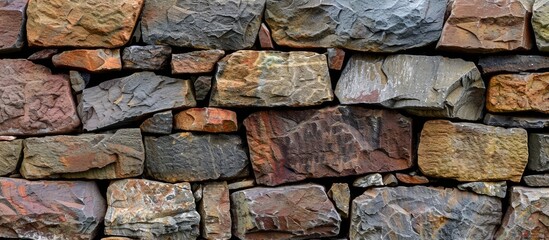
x=98, y=60
x=206, y=120
x=518, y=92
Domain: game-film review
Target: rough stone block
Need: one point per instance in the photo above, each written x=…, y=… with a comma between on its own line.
x=159, y=123
x=96, y=60
x=196, y=62
x=12, y=32
x=150, y=57
x=10, y=154
x=518, y=92
x=538, y=152
x=540, y=23
x=215, y=211
x=215, y=120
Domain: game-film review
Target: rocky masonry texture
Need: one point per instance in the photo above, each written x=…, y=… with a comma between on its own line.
x=100, y=23
x=150, y=57
x=540, y=21
x=423, y=213
x=90, y=156
x=463, y=150
x=516, y=121
x=206, y=120
x=12, y=17
x=98, y=60
x=204, y=24
x=291, y=212
x=196, y=62
x=202, y=86
x=270, y=78
x=340, y=194
x=159, y=123
x=289, y=146
x=43, y=54
x=432, y=86
x=518, y=92
x=10, y=154
x=50, y=209
x=34, y=101
x=512, y=63
x=377, y=26
x=129, y=98
x=215, y=211
x=538, y=149
x=526, y=217
x=147, y=209
x=541, y=180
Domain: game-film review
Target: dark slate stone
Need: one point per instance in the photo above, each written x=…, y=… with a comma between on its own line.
x=512, y=63
x=150, y=57
x=159, y=123
x=516, y=121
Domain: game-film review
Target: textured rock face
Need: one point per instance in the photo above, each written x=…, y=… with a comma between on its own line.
x=538, y=149
x=514, y=121
x=537, y=180
x=289, y=146
x=206, y=120
x=34, y=101
x=493, y=189
x=12, y=17
x=89, y=156
x=512, y=63
x=10, y=153
x=159, y=123
x=526, y=217
x=202, y=86
x=204, y=24
x=79, y=80
x=270, y=79
x=341, y=196
x=129, y=98
x=97, y=60
x=411, y=179
x=461, y=150
x=195, y=157
x=150, y=57
x=196, y=62
x=375, y=26
x=50, y=209
x=431, y=86
x=43, y=54
x=370, y=180
x=336, y=57
x=215, y=211
x=100, y=23
x=264, y=36
x=518, y=92
x=540, y=21
x=151, y=210
x=292, y=212
x=423, y=213
x=483, y=26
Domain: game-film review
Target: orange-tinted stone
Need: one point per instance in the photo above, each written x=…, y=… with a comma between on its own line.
x=196, y=62
x=206, y=120
x=97, y=60
x=411, y=179
x=518, y=92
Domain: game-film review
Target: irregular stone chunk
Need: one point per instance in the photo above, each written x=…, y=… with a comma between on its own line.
x=265, y=40
x=89, y=156
x=33, y=101
x=202, y=86
x=43, y=54
x=518, y=92
x=421, y=212
x=336, y=57
x=291, y=212
x=213, y=120
x=196, y=62
x=151, y=210
x=526, y=217
x=220, y=24
x=10, y=153
x=50, y=209
x=483, y=26
x=79, y=80
x=150, y=57
x=195, y=157
x=374, y=26
x=7, y=138
x=341, y=196
x=471, y=152
x=537, y=180
x=370, y=180
x=270, y=79
x=159, y=123
x=242, y=184
x=512, y=63
x=493, y=189
x=215, y=211
x=431, y=86
x=99, y=23
x=289, y=146
x=411, y=179
x=12, y=17
x=540, y=21
x=538, y=152
x=120, y=100
x=516, y=121
x=97, y=60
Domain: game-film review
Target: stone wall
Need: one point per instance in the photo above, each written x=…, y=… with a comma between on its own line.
x=274, y=119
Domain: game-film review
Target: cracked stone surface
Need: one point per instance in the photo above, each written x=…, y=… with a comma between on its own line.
x=538, y=152
x=374, y=26
x=293, y=145
x=512, y=63
x=518, y=93
x=10, y=154
x=215, y=211
x=214, y=120
x=540, y=23
x=159, y=123
x=150, y=57
x=432, y=86
x=12, y=17
x=493, y=189
x=516, y=121
x=95, y=61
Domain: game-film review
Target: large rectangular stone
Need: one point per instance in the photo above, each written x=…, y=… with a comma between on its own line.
x=518, y=93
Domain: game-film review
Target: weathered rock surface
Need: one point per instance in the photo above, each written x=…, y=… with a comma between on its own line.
x=215, y=211
x=79, y=80
x=526, y=217
x=12, y=17
x=10, y=154
x=125, y=99
x=246, y=183
x=90, y=156
x=151, y=210
x=159, y=123
x=537, y=180
x=213, y=120
x=493, y=189
x=99, y=23
x=370, y=180
x=516, y=121
x=43, y=54
x=196, y=62
x=375, y=26
x=220, y=24
x=264, y=36
x=423, y=213
x=411, y=179
x=340, y=194
x=50, y=209
x=540, y=21
x=538, y=152
x=269, y=79
x=202, y=86
x=512, y=63
x=289, y=146
x=482, y=26
x=471, y=152
x=291, y=212
x=150, y=57
x=34, y=101
x=336, y=57
x=96, y=60
x=195, y=157
x=431, y=86
x=518, y=92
